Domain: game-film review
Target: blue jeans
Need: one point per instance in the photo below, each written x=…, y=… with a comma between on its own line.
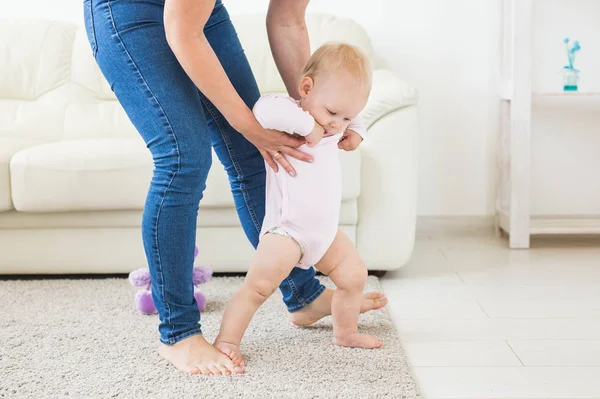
x=180, y=125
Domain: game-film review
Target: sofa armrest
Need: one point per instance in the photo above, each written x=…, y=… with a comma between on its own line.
x=388, y=94
x=385, y=232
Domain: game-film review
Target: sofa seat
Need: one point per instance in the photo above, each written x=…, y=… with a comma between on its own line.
x=207, y=217
x=111, y=174
x=9, y=146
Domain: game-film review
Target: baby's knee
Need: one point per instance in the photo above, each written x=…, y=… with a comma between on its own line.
x=261, y=289
x=353, y=278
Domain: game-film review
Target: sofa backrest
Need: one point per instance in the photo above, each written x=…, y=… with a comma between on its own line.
x=51, y=88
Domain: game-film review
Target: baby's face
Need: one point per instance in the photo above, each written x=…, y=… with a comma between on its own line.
x=333, y=100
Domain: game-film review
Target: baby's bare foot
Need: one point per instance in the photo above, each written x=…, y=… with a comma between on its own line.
x=232, y=351
x=357, y=340
x=194, y=355
x=321, y=307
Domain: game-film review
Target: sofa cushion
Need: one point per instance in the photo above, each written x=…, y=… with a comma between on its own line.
x=207, y=217
x=112, y=174
x=74, y=175
x=34, y=83
x=38, y=55
x=8, y=147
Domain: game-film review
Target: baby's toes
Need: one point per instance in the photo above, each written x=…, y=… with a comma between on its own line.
x=237, y=359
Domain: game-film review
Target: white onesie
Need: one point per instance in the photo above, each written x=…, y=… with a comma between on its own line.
x=305, y=207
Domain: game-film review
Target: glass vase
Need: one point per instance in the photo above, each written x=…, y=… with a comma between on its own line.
x=570, y=80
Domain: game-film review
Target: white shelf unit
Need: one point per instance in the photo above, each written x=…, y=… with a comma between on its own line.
x=514, y=147
x=584, y=94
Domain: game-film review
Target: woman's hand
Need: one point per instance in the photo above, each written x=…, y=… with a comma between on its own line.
x=275, y=145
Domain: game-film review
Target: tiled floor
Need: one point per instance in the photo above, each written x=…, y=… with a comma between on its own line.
x=478, y=320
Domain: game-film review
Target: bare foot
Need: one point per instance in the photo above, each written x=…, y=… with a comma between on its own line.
x=194, y=355
x=232, y=351
x=357, y=340
x=321, y=307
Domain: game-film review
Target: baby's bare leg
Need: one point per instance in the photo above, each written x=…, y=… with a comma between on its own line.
x=345, y=268
x=273, y=261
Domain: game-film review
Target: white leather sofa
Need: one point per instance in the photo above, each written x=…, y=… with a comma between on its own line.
x=74, y=172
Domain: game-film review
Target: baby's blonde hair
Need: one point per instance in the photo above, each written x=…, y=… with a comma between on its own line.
x=332, y=57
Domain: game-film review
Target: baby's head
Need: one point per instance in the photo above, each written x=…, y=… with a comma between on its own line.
x=335, y=85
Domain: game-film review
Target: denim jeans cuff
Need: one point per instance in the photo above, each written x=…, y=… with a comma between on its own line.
x=308, y=300
x=181, y=337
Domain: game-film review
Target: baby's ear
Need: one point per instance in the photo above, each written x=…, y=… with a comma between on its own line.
x=306, y=85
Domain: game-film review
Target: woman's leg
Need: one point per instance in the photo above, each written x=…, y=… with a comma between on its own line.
x=128, y=39
x=243, y=162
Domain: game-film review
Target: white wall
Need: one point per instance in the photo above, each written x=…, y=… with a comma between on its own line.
x=449, y=50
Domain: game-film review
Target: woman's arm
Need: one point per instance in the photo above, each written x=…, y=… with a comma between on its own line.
x=184, y=28
x=288, y=37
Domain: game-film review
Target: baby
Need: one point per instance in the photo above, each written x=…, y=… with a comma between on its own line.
x=300, y=228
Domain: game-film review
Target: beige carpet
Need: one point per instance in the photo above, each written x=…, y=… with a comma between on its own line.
x=84, y=339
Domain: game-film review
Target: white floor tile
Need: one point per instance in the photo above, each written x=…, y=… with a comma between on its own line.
x=541, y=308
x=479, y=242
x=397, y=280
x=536, y=333
x=557, y=352
x=454, y=289
x=508, y=382
x=465, y=259
x=533, y=276
x=434, y=309
x=476, y=329
x=460, y=353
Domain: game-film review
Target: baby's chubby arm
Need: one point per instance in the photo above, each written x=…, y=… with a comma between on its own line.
x=358, y=125
x=353, y=136
x=282, y=113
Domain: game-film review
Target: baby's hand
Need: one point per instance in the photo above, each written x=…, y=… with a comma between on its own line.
x=313, y=138
x=350, y=141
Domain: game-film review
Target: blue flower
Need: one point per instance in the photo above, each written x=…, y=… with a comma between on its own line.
x=566, y=40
